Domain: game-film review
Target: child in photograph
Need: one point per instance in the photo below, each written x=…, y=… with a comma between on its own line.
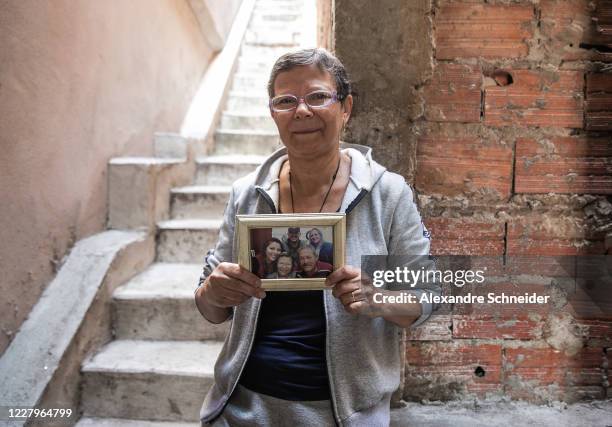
x=284, y=267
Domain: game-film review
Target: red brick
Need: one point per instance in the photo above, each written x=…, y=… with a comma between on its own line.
x=452, y=365
x=598, y=106
x=454, y=94
x=477, y=30
x=536, y=99
x=598, y=329
x=563, y=165
x=553, y=237
x=491, y=327
x=539, y=265
x=546, y=357
x=599, y=82
x=534, y=373
x=457, y=166
x=455, y=353
x=453, y=236
x=594, y=305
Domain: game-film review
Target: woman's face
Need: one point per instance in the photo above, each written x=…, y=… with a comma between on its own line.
x=284, y=266
x=314, y=237
x=273, y=250
x=309, y=132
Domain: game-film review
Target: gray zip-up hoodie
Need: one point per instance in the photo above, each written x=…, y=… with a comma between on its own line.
x=362, y=354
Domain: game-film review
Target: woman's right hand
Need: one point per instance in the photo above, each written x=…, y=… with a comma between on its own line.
x=227, y=286
x=230, y=285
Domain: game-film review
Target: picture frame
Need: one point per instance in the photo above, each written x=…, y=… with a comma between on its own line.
x=254, y=231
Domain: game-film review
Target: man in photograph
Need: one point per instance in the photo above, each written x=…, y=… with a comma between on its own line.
x=310, y=266
x=293, y=244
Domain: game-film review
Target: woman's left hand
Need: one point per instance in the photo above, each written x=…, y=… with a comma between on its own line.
x=354, y=291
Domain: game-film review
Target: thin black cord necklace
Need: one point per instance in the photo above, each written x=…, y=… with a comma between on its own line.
x=326, y=194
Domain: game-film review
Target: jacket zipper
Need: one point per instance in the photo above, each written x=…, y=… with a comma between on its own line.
x=351, y=206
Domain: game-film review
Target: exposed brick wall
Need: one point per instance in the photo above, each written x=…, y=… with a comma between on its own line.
x=514, y=157
x=499, y=113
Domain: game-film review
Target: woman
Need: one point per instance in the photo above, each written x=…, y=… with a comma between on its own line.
x=313, y=357
x=284, y=267
x=264, y=263
x=323, y=249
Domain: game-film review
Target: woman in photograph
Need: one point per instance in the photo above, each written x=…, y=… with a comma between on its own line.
x=309, y=358
x=264, y=263
x=323, y=249
x=284, y=268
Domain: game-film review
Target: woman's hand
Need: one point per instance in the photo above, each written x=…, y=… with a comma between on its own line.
x=354, y=291
x=227, y=286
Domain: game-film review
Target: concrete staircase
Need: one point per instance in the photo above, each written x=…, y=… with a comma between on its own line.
x=160, y=365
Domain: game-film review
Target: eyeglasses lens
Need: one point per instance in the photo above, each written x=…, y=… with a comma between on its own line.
x=315, y=99
x=318, y=99
x=284, y=103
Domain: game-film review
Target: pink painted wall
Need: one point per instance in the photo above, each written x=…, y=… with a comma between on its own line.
x=80, y=82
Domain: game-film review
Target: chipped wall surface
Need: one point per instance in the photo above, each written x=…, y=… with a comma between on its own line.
x=80, y=82
x=499, y=115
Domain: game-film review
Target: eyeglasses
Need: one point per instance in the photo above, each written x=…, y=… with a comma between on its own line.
x=316, y=99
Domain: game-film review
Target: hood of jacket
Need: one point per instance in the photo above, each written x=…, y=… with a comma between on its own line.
x=365, y=173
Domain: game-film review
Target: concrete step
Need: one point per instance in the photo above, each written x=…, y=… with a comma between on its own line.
x=255, y=102
x=279, y=27
x=186, y=240
x=119, y=422
x=149, y=380
x=198, y=201
x=249, y=82
x=224, y=170
x=246, y=142
x=236, y=120
x=158, y=304
x=253, y=51
x=255, y=65
x=273, y=16
x=278, y=4
x=276, y=39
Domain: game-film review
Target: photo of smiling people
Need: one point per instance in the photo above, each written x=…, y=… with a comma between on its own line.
x=281, y=253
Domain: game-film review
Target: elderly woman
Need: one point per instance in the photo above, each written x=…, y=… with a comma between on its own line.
x=312, y=357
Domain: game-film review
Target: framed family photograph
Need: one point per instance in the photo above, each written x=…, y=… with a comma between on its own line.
x=291, y=252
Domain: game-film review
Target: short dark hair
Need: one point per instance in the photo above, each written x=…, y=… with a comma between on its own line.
x=285, y=255
x=323, y=59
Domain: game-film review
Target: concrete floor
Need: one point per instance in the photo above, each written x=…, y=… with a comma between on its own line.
x=506, y=414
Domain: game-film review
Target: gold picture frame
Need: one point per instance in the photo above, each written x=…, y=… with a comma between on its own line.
x=245, y=224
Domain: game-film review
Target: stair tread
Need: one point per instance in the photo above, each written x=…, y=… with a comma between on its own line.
x=202, y=189
x=187, y=358
x=246, y=114
x=122, y=422
x=232, y=159
x=162, y=281
x=246, y=132
x=145, y=160
x=182, y=224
